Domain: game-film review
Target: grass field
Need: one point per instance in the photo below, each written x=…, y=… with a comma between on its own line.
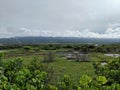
x=63, y=66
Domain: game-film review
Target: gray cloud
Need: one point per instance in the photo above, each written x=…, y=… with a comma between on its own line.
x=112, y=31
x=45, y=16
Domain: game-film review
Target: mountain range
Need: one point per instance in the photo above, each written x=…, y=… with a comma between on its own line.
x=40, y=40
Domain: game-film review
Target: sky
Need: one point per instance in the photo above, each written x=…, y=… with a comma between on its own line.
x=60, y=18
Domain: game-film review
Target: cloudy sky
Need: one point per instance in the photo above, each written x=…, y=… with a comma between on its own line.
x=67, y=18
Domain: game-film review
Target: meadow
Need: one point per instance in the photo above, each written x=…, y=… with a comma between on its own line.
x=55, y=67
x=61, y=65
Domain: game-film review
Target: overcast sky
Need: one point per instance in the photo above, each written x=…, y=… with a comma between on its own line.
x=68, y=18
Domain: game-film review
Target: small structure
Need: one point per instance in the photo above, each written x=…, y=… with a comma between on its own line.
x=77, y=56
x=49, y=57
x=70, y=56
x=82, y=58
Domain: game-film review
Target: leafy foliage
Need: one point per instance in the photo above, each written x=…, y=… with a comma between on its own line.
x=15, y=76
x=111, y=70
x=35, y=76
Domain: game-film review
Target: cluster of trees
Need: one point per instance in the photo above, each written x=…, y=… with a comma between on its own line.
x=14, y=75
x=83, y=47
x=79, y=47
x=3, y=47
x=108, y=48
x=110, y=69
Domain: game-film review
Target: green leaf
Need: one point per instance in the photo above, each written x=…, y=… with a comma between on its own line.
x=85, y=80
x=101, y=80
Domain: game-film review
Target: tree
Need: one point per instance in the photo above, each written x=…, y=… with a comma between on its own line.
x=111, y=70
x=27, y=48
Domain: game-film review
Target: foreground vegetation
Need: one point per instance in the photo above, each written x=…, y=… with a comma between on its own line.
x=14, y=75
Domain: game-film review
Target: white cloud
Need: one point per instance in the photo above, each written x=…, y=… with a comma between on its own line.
x=12, y=32
x=59, y=14
x=113, y=31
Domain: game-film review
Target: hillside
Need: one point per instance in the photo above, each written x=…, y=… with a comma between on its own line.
x=39, y=40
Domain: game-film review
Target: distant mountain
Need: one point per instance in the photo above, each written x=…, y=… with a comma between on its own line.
x=39, y=40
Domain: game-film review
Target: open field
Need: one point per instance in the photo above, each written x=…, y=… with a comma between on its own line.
x=62, y=66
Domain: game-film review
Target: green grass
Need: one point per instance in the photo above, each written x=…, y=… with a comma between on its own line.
x=75, y=69
x=99, y=57
x=26, y=59
x=62, y=66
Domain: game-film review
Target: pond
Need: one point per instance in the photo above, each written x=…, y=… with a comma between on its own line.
x=112, y=55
